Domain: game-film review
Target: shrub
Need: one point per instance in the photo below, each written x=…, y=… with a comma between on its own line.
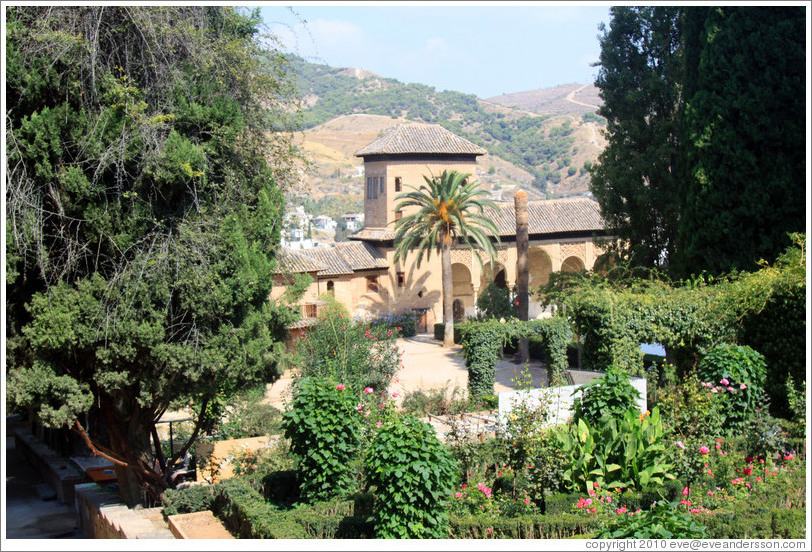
x=439, y=331
x=496, y=302
x=438, y=402
x=196, y=498
x=550, y=339
x=481, y=345
x=736, y=373
x=248, y=416
x=246, y=514
x=358, y=354
x=324, y=431
x=663, y=521
x=413, y=475
x=609, y=395
x=404, y=323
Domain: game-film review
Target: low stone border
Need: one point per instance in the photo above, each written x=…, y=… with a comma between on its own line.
x=59, y=473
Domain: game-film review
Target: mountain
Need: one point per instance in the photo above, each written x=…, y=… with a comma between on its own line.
x=542, y=140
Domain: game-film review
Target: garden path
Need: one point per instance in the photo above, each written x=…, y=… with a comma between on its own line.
x=427, y=365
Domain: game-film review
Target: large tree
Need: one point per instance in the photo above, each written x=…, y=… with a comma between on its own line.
x=636, y=179
x=144, y=149
x=705, y=165
x=745, y=135
x=447, y=209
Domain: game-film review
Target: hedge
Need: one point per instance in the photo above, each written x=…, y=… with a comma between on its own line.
x=482, y=344
x=558, y=526
x=439, y=332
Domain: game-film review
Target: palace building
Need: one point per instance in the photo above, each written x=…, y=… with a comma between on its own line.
x=361, y=273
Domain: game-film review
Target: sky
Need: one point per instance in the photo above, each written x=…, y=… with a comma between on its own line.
x=484, y=48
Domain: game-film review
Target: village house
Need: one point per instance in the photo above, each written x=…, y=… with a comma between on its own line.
x=564, y=236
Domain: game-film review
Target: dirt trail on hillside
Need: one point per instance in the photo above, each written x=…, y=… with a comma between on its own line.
x=571, y=97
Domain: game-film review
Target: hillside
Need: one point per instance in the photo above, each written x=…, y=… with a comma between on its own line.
x=540, y=140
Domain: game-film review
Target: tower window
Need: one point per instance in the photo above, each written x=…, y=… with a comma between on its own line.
x=398, y=215
x=382, y=182
x=398, y=183
x=372, y=283
x=401, y=279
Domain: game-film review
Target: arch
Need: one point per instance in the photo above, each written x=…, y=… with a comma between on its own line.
x=496, y=274
x=459, y=310
x=331, y=287
x=461, y=279
x=572, y=264
x=540, y=267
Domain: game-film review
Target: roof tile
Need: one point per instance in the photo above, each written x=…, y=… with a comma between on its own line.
x=420, y=138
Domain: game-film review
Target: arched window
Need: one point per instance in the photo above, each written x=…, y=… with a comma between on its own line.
x=331, y=287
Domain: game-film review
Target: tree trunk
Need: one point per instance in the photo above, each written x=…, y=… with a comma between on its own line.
x=522, y=275
x=129, y=434
x=448, y=296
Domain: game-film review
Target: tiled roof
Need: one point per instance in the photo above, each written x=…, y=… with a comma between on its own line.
x=293, y=261
x=373, y=234
x=550, y=216
x=344, y=258
x=420, y=138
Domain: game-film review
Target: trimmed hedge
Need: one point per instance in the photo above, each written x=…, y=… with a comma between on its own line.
x=439, y=332
x=558, y=526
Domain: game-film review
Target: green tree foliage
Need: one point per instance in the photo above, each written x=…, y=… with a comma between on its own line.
x=635, y=179
x=746, y=154
x=705, y=164
x=144, y=145
x=445, y=210
x=496, y=302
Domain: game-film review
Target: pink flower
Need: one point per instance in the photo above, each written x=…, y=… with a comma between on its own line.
x=527, y=501
x=789, y=457
x=704, y=450
x=379, y=423
x=718, y=446
x=747, y=485
x=724, y=382
x=591, y=492
x=368, y=390
x=742, y=387
x=730, y=389
x=680, y=445
x=609, y=499
x=394, y=395
x=340, y=386
x=685, y=502
x=594, y=510
x=758, y=479
x=458, y=495
x=711, y=493
x=715, y=390
x=686, y=491
x=588, y=501
x=748, y=470
x=490, y=531
x=621, y=510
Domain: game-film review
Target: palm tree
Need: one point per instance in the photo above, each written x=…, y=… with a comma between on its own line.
x=450, y=208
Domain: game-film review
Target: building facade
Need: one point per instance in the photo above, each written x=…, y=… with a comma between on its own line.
x=564, y=235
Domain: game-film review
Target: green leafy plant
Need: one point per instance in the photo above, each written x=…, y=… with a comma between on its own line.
x=663, y=521
x=737, y=373
x=354, y=352
x=610, y=395
x=521, y=429
x=625, y=453
x=323, y=426
x=413, y=475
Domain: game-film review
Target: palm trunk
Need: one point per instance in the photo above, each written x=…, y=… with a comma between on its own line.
x=448, y=295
